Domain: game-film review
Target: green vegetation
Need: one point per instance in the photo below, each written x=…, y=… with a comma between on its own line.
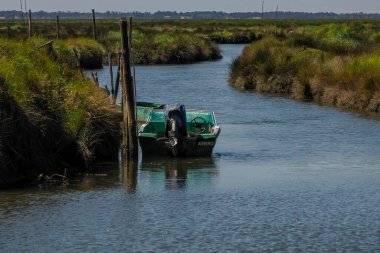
x=169, y=48
x=334, y=64
x=51, y=117
x=161, y=43
x=90, y=52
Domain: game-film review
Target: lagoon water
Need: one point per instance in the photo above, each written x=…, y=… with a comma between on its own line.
x=285, y=177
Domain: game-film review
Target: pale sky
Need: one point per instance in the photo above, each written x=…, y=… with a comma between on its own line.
x=338, y=6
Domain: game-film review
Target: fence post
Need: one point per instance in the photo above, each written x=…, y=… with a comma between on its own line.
x=30, y=24
x=57, y=27
x=93, y=24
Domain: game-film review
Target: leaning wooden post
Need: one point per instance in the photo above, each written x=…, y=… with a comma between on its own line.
x=93, y=24
x=30, y=24
x=129, y=114
x=57, y=27
x=111, y=74
x=117, y=81
x=77, y=61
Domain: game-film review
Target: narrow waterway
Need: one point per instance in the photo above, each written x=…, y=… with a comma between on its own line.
x=285, y=177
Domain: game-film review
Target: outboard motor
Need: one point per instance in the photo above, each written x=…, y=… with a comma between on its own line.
x=175, y=126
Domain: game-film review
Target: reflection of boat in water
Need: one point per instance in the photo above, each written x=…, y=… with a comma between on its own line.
x=180, y=172
x=173, y=130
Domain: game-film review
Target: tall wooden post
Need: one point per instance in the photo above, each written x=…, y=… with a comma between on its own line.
x=129, y=112
x=131, y=58
x=93, y=24
x=57, y=27
x=117, y=81
x=262, y=19
x=130, y=35
x=111, y=75
x=30, y=24
x=276, y=19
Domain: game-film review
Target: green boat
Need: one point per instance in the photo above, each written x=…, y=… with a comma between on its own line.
x=174, y=131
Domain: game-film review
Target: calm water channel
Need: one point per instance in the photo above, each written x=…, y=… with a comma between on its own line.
x=285, y=177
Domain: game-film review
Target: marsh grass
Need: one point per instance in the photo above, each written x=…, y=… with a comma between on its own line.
x=59, y=115
x=341, y=68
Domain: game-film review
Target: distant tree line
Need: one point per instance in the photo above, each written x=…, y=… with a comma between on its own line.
x=191, y=15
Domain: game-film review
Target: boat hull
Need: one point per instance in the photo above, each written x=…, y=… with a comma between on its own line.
x=186, y=147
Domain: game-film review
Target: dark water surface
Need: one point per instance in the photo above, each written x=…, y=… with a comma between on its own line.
x=285, y=177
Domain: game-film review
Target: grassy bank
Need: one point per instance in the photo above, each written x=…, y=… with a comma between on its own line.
x=332, y=64
x=163, y=43
x=167, y=48
x=51, y=117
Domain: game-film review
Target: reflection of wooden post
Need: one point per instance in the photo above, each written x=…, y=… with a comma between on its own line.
x=57, y=27
x=129, y=172
x=30, y=24
x=93, y=24
x=129, y=108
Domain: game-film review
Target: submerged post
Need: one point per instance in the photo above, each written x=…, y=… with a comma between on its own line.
x=57, y=27
x=93, y=24
x=129, y=108
x=30, y=24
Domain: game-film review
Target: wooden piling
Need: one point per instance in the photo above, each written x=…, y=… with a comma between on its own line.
x=93, y=24
x=262, y=19
x=129, y=108
x=276, y=20
x=57, y=27
x=130, y=36
x=117, y=81
x=131, y=57
x=111, y=74
x=30, y=24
